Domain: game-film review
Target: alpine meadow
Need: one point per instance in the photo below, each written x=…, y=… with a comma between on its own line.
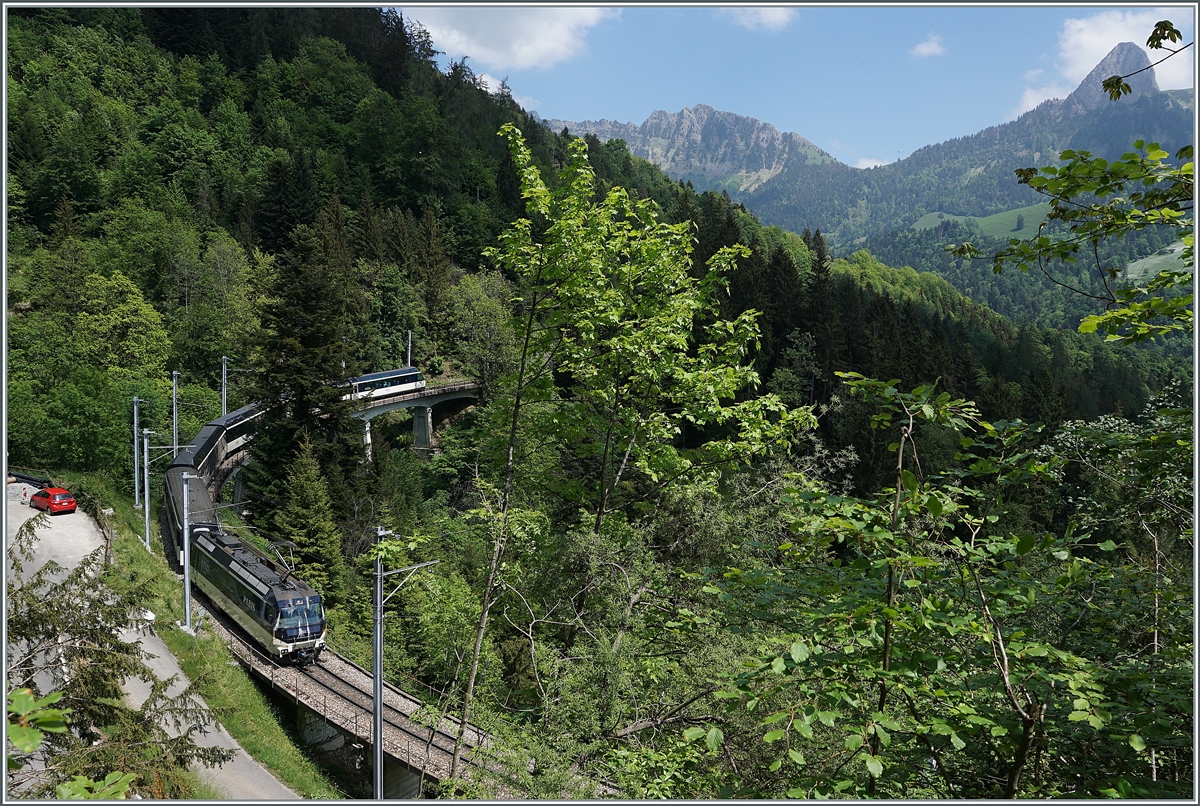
x=778, y=478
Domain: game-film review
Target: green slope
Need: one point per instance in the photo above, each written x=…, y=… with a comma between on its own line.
x=999, y=225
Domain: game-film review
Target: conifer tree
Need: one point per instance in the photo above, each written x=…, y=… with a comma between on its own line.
x=306, y=519
x=316, y=316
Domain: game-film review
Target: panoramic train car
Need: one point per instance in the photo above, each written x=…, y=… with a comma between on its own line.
x=280, y=612
x=379, y=384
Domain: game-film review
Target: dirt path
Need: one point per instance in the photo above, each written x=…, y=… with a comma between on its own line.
x=69, y=539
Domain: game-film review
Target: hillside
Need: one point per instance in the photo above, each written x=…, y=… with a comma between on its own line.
x=670, y=521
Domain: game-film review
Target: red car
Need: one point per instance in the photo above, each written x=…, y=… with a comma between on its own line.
x=53, y=499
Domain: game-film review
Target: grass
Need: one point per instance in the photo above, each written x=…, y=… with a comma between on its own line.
x=1151, y=265
x=1000, y=225
x=236, y=701
x=245, y=712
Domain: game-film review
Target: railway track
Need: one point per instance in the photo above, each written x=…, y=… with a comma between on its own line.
x=354, y=695
x=341, y=693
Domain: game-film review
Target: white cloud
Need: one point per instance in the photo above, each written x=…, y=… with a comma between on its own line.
x=512, y=38
x=527, y=102
x=870, y=162
x=492, y=83
x=1083, y=42
x=1035, y=95
x=932, y=46
x=775, y=19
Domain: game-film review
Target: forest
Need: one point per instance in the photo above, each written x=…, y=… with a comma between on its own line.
x=733, y=516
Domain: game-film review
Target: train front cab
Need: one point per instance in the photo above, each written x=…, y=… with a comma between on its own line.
x=290, y=625
x=298, y=626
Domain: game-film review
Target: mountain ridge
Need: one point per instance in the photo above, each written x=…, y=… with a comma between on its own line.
x=709, y=147
x=789, y=181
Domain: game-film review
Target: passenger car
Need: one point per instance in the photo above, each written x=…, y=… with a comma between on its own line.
x=53, y=500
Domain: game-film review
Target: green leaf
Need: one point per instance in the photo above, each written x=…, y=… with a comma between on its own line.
x=934, y=505
x=1107, y=545
x=25, y=739
x=854, y=741
x=774, y=735
x=778, y=665
x=1137, y=742
x=874, y=766
x=796, y=756
x=909, y=480
x=691, y=734
x=1025, y=544
x=714, y=738
x=799, y=652
x=776, y=764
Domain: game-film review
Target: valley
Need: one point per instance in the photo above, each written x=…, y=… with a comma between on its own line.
x=777, y=477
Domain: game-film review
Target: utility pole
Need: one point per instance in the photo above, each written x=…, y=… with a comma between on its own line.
x=409, y=359
x=380, y=533
x=187, y=557
x=380, y=601
x=224, y=373
x=175, y=412
x=146, y=480
x=136, y=472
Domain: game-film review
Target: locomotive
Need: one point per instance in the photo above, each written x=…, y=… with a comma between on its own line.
x=280, y=612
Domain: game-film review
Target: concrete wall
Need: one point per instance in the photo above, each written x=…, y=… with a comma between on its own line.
x=399, y=782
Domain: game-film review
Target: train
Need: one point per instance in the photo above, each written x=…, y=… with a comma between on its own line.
x=280, y=612
x=380, y=384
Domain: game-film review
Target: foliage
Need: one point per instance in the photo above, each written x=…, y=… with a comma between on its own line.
x=298, y=189
x=1138, y=191
x=63, y=634
x=305, y=519
x=936, y=636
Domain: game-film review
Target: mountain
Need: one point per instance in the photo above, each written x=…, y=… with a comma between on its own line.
x=713, y=150
x=786, y=180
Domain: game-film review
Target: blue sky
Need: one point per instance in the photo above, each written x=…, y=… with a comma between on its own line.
x=868, y=84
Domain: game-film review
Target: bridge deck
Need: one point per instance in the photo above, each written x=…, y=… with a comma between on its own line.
x=409, y=736
x=430, y=395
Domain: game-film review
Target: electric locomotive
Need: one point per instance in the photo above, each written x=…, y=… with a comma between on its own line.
x=280, y=612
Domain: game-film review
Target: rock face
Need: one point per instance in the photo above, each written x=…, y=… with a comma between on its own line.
x=710, y=148
x=1122, y=60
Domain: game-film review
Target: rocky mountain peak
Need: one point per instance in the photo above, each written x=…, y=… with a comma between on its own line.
x=706, y=146
x=1122, y=60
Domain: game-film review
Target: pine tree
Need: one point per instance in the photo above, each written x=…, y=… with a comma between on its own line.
x=306, y=519
x=315, y=322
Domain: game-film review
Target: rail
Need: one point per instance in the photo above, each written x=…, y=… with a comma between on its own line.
x=339, y=691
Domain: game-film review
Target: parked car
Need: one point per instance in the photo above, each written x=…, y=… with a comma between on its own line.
x=53, y=499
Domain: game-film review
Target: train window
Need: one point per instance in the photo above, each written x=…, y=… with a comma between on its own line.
x=301, y=616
